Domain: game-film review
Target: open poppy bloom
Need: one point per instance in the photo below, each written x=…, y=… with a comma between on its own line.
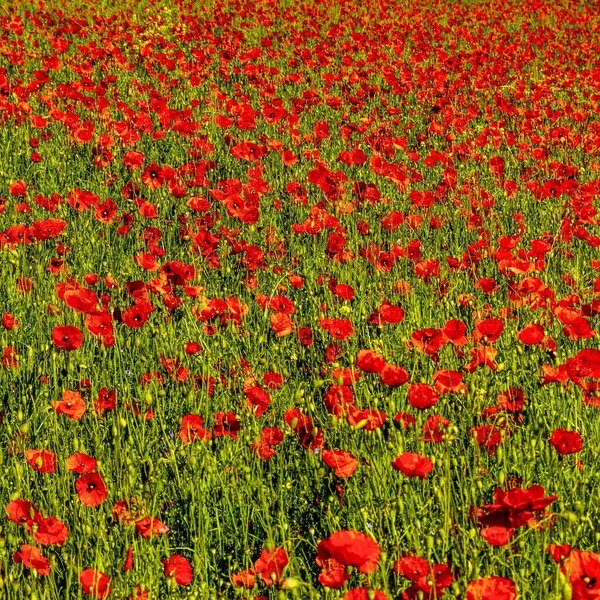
x=42, y=461
x=179, y=568
x=32, y=558
x=413, y=465
x=67, y=337
x=342, y=462
x=492, y=588
x=95, y=583
x=91, y=489
x=351, y=548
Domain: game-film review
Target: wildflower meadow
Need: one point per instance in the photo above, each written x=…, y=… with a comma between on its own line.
x=299, y=299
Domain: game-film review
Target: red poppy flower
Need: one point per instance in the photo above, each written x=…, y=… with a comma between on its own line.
x=50, y=531
x=487, y=436
x=67, y=337
x=258, y=400
x=128, y=565
x=333, y=574
x=449, y=381
x=488, y=330
x=404, y=420
x=305, y=336
x=273, y=380
x=413, y=465
x=245, y=579
x=192, y=430
x=138, y=314
x=148, y=527
x=227, y=424
x=340, y=329
x=95, y=583
x=566, y=442
x=32, y=558
x=364, y=593
x=393, y=375
x=179, y=568
x=428, y=341
x=351, y=548
x=368, y=418
x=270, y=564
x=531, y=335
x=497, y=535
x=583, y=569
x=434, y=429
x=370, y=361
x=492, y=588
x=9, y=321
x=91, y=489
x=72, y=405
x=21, y=512
x=558, y=551
x=344, y=463
x=387, y=313
x=42, y=461
x=412, y=567
x=192, y=348
x=282, y=324
x=77, y=297
x=422, y=396
x=454, y=332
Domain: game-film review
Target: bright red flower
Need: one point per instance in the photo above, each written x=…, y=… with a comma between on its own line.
x=412, y=567
x=270, y=564
x=393, y=375
x=258, y=400
x=179, y=568
x=333, y=574
x=67, y=337
x=364, y=593
x=305, y=336
x=449, y=381
x=370, y=361
x=492, y=588
x=566, y=442
x=340, y=329
x=583, y=569
x=344, y=463
x=72, y=405
x=32, y=558
x=351, y=548
x=558, y=551
x=148, y=527
x=9, y=321
x=245, y=579
x=49, y=531
x=531, y=335
x=192, y=430
x=422, y=396
x=413, y=465
x=21, y=512
x=138, y=314
x=497, y=535
x=18, y=188
x=42, y=461
x=282, y=324
x=434, y=429
x=95, y=583
x=91, y=489
x=454, y=332
x=487, y=436
x=488, y=330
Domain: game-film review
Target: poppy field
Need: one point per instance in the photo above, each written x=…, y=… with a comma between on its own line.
x=299, y=299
